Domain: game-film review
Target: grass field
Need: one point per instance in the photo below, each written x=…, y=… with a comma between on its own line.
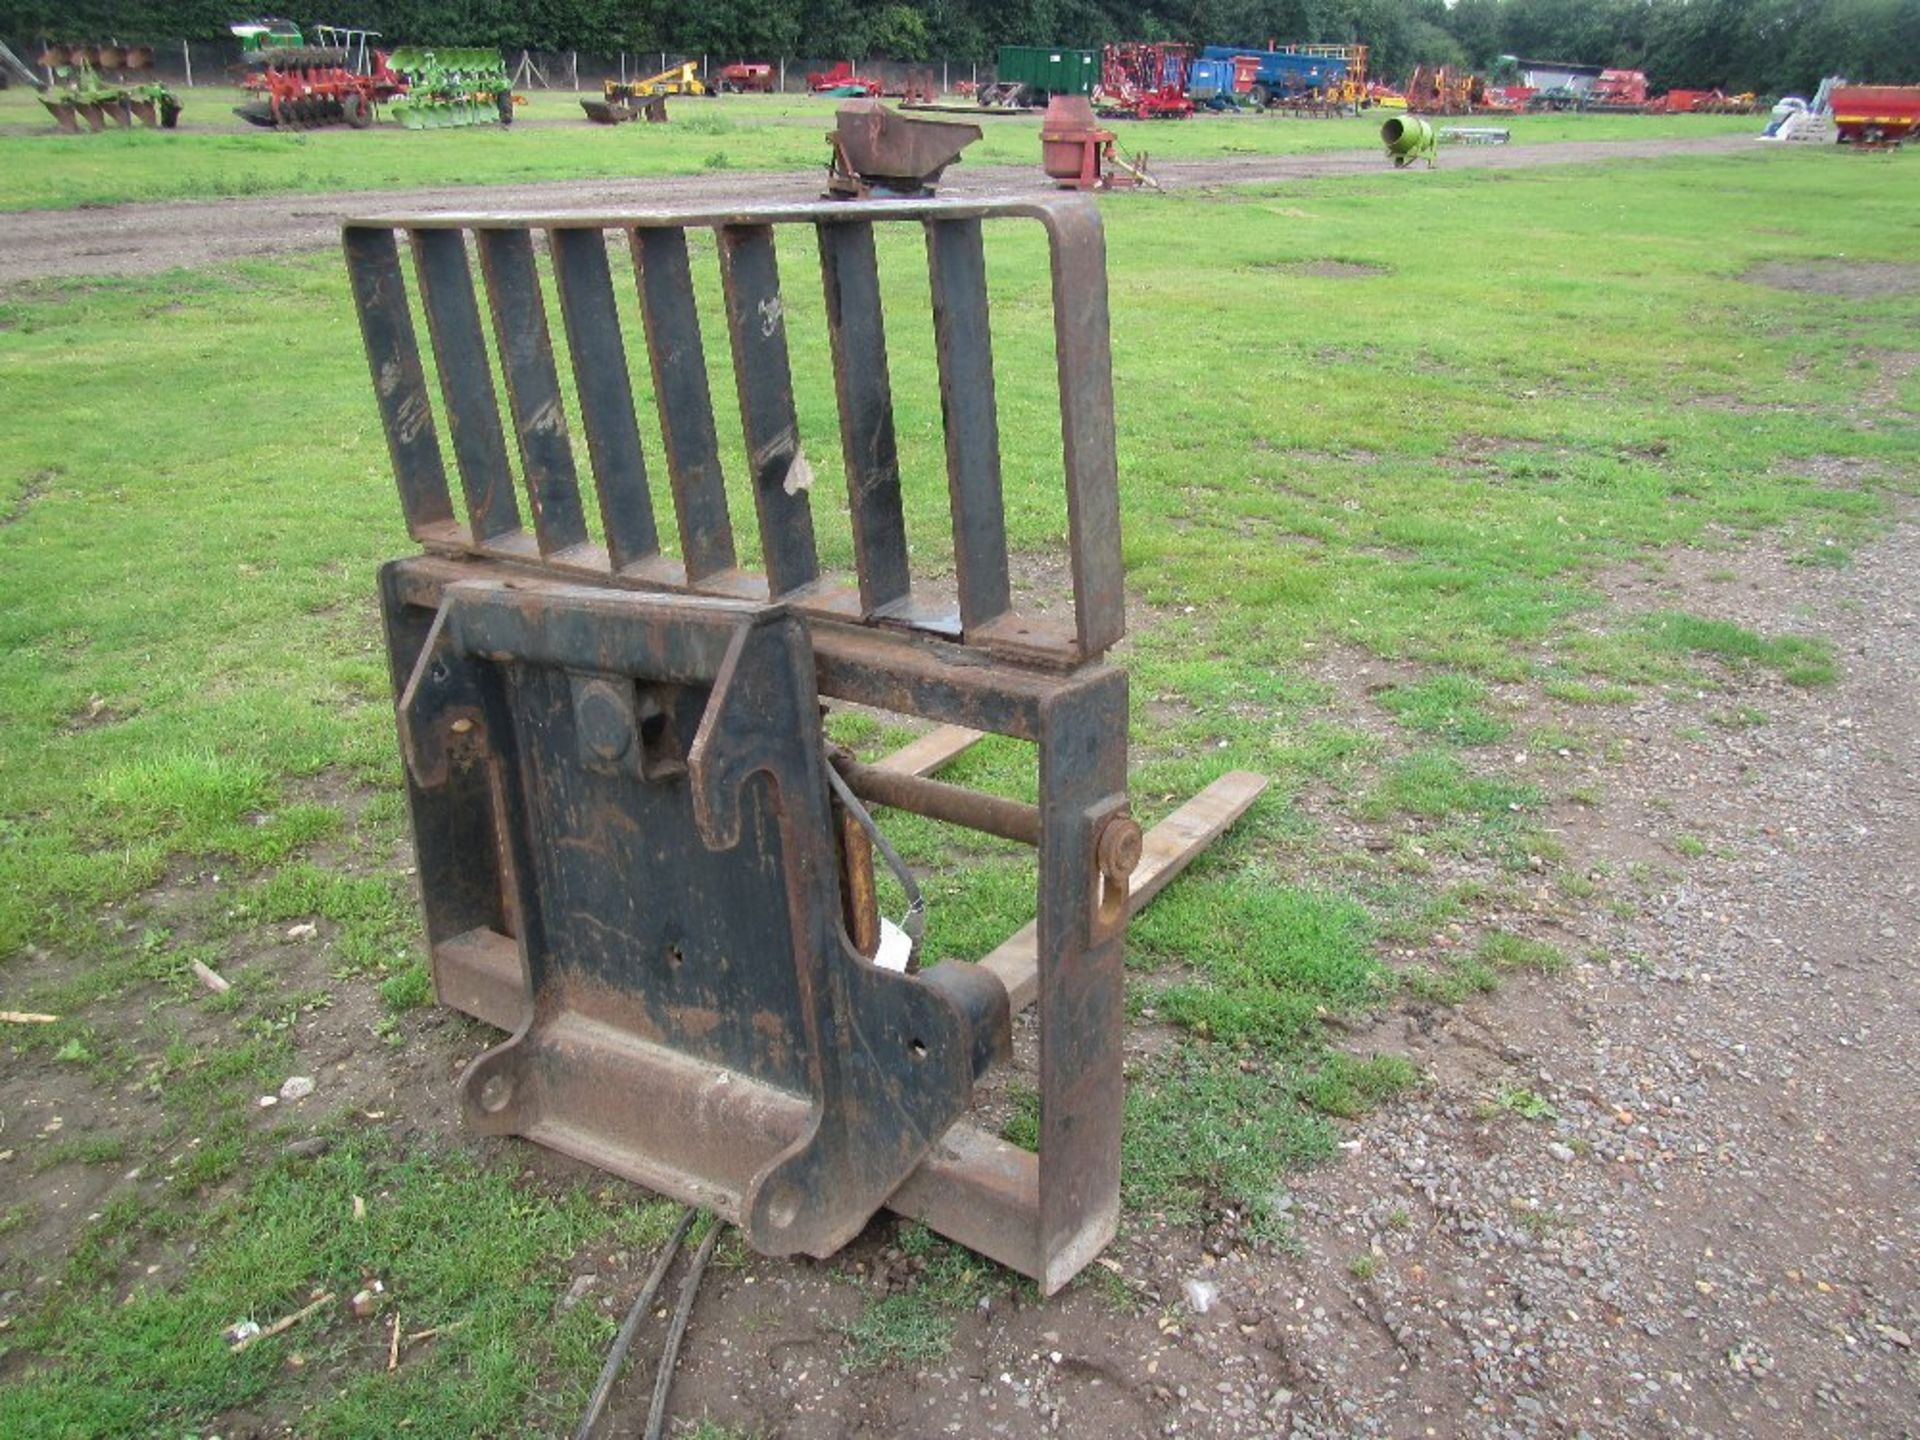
x=1356, y=420
x=213, y=154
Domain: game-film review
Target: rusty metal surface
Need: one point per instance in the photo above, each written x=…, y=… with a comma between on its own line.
x=957, y=805
x=630, y=854
x=536, y=420
x=877, y=151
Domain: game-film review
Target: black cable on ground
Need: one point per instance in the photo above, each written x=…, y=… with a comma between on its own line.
x=610, y=1372
x=677, y=1329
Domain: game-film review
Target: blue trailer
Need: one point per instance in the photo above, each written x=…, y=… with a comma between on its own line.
x=1283, y=75
x=1210, y=82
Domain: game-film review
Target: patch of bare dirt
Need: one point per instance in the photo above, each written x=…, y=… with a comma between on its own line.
x=1853, y=279
x=1892, y=367
x=23, y=502
x=1837, y=472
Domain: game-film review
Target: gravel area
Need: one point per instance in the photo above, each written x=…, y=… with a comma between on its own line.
x=1671, y=1191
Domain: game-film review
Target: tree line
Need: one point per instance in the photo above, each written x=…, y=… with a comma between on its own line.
x=1770, y=46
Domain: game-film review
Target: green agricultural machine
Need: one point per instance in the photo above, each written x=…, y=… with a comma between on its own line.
x=81, y=93
x=448, y=87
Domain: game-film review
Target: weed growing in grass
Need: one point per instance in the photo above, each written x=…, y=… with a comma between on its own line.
x=1691, y=846
x=1364, y=1266
x=1454, y=707
x=1503, y=950
x=1579, y=887
x=1436, y=784
x=914, y=1326
x=1453, y=982
x=1524, y=1103
x=1799, y=659
x=1267, y=959
x=1206, y=1130
x=1348, y=1087
x=1741, y=717
x=1410, y=915
x=83, y=1150
x=1022, y=1125
x=903, y=1329
x=407, y=990
x=1537, y=1222
x=1586, y=692
x=16, y=1216
x=705, y=1429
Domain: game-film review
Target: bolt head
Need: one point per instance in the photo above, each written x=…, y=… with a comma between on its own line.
x=1120, y=847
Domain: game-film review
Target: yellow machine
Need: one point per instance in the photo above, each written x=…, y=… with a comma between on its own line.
x=680, y=80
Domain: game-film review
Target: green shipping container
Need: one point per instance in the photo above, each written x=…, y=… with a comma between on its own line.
x=1049, y=71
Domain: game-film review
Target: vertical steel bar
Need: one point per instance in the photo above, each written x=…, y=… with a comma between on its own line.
x=756, y=322
x=1083, y=353
x=585, y=284
x=1082, y=1000
x=686, y=408
x=962, y=335
x=851, y=273
x=533, y=388
x=466, y=381
x=399, y=379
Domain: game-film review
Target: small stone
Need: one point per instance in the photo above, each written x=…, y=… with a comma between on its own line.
x=1897, y=1337
x=306, y=930
x=368, y=1300
x=1200, y=1294
x=1561, y=1152
x=267, y=1102
x=297, y=1087
x=577, y=1291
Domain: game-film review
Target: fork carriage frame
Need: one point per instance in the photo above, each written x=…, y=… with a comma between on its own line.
x=628, y=855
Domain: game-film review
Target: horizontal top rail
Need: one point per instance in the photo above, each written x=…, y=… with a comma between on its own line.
x=1063, y=210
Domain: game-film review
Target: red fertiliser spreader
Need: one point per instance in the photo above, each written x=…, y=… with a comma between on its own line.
x=1876, y=117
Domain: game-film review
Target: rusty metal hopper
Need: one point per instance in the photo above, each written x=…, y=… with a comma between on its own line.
x=878, y=151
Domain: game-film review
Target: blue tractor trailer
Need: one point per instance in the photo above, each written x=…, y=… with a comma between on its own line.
x=1281, y=75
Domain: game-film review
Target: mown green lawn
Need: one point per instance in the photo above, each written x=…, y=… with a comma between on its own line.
x=212, y=154
x=1408, y=417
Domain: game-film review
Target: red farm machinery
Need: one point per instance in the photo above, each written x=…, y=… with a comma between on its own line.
x=297, y=82
x=744, y=78
x=1875, y=117
x=1617, y=92
x=842, y=80
x=1144, y=80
